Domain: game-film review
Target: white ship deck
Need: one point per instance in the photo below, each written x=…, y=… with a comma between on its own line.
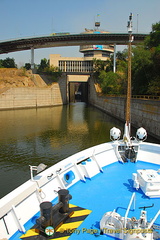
x=106, y=191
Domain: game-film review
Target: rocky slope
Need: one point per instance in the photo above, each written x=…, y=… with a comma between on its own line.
x=12, y=77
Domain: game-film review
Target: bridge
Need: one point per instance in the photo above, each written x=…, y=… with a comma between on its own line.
x=66, y=39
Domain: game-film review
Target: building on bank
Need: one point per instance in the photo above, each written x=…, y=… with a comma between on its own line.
x=83, y=64
x=77, y=70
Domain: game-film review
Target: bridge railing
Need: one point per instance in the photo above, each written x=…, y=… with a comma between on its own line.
x=146, y=97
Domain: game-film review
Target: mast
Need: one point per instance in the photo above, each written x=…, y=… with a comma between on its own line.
x=128, y=103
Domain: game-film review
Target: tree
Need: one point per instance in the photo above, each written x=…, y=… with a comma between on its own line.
x=152, y=43
x=109, y=65
x=153, y=40
x=43, y=64
x=52, y=72
x=8, y=63
x=27, y=66
x=122, y=56
x=154, y=86
x=122, y=62
x=145, y=68
x=141, y=70
x=109, y=82
x=98, y=65
x=1, y=63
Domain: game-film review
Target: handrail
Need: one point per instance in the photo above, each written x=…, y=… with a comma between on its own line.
x=144, y=97
x=154, y=219
x=130, y=203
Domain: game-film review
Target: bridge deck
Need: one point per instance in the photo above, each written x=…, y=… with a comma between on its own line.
x=68, y=40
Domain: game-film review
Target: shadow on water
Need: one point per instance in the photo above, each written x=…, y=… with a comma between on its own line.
x=48, y=135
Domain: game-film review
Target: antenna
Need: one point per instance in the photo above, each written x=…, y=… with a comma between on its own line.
x=97, y=23
x=137, y=22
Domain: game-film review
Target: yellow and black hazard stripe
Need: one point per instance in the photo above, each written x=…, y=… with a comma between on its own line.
x=64, y=231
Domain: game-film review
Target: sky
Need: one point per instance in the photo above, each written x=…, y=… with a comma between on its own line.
x=29, y=18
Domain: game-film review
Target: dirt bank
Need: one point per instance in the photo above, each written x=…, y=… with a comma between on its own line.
x=12, y=77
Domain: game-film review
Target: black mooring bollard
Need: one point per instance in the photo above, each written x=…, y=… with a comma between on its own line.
x=46, y=214
x=64, y=197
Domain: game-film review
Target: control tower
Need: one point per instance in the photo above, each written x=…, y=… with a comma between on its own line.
x=96, y=51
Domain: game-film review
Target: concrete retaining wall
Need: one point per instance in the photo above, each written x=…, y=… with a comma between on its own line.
x=29, y=97
x=144, y=113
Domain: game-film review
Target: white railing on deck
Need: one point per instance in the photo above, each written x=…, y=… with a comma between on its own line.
x=130, y=203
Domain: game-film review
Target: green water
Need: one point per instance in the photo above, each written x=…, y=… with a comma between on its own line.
x=47, y=135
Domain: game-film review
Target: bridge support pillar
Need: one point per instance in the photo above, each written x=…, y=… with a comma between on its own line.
x=114, y=59
x=32, y=58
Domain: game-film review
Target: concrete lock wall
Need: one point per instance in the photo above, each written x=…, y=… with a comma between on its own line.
x=144, y=113
x=28, y=97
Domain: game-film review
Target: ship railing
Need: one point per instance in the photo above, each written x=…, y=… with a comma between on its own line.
x=154, y=219
x=133, y=198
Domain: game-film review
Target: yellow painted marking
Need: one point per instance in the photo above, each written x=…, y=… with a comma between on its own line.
x=71, y=206
x=66, y=226
x=63, y=227
x=29, y=233
x=61, y=238
x=80, y=213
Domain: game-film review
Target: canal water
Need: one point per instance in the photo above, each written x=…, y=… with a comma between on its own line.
x=47, y=135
